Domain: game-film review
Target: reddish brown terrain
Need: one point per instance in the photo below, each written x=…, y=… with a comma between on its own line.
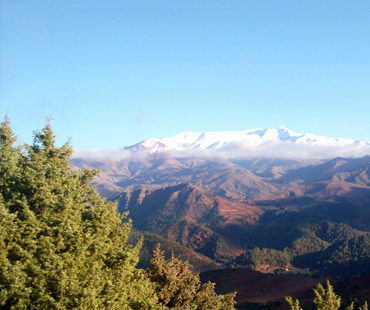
x=257, y=179
x=262, y=214
x=268, y=289
x=356, y=287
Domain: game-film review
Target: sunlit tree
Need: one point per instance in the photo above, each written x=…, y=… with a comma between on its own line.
x=62, y=246
x=325, y=299
x=178, y=288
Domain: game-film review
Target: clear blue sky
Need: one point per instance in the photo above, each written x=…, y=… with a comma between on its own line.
x=112, y=73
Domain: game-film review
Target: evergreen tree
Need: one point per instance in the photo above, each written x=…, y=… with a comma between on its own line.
x=9, y=157
x=326, y=299
x=61, y=245
x=178, y=288
x=293, y=304
x=352, y=307
x=364, y=307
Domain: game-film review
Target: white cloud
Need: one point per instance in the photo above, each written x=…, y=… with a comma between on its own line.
x=284, y=149
x=241, y=149
x=91, y=153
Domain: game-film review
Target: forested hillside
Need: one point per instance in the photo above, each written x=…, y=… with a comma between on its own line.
x=267, y=214
x=302, y=236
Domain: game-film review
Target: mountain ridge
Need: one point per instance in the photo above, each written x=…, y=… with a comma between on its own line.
x=238, y=180
x=252, y=142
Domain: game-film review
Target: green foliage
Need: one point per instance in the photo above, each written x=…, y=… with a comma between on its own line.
x=364, y=307
x=178, y=288
x=351, y=306
x=344, y=258
x=325, y=299
x=61, y=245
x=309, y=243
x=255, y=257
x=293, y=304
x=357, y=248
x=199, y=262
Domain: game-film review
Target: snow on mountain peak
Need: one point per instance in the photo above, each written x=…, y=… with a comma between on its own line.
x=269, y=142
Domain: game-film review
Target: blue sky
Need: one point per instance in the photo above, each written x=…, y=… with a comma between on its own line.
x=112, y=73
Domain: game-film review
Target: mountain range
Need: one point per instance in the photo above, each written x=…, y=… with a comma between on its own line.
x=242, y=180
x=269, y=143
x=253, y=143
x=263, y=200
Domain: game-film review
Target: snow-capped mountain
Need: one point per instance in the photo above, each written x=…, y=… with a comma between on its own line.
x=280, y=142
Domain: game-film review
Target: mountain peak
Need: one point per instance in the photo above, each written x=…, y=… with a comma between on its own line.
x=269, y=142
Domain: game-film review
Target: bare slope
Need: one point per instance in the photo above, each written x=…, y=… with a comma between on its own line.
x=186, y=214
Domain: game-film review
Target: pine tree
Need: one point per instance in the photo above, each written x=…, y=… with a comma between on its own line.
x=178, y=288
x=9, y=167
x=326, y=299
x=364, y=307
x=351, y=306
x=293, y=304
x=62, y=246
